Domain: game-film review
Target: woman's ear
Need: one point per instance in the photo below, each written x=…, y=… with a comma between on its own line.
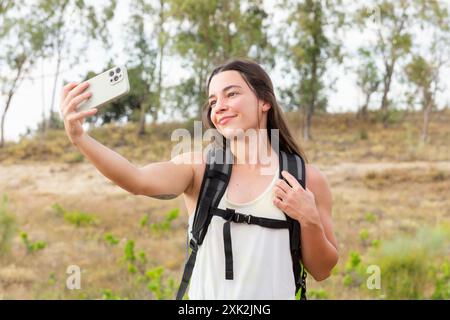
x=265, y=106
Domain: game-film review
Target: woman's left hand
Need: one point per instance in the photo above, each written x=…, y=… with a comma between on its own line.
x=295, y=201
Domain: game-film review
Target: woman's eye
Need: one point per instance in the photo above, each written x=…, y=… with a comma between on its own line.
x=232, y=93
x=211, y=103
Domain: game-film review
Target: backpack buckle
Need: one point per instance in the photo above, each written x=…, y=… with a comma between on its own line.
x=240, y=217
x=193, y=244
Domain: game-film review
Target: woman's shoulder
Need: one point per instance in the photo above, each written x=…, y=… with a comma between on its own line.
x=316, y=180
x=194, y=159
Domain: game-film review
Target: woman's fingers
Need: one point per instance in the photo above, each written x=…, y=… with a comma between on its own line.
x=283, y=185
x=76, y=91
x=291, y=180
x=65, y=91
x=75, y=102
x=81, y=115
x=279, y=193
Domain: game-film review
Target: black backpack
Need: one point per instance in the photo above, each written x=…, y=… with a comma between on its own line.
x=215, y=180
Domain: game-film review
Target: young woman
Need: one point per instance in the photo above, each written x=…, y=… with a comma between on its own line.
x=240, y=98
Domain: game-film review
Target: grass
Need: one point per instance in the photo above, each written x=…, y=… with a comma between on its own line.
x=336, y=138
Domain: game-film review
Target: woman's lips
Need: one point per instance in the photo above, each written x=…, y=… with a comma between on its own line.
x=224, y=120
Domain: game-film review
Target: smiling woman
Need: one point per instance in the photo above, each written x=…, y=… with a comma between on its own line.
x=245, y=216
x=241, y=99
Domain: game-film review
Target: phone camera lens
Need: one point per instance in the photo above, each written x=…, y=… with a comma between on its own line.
x=118, y=70
x=111, y=73
x=116, y=78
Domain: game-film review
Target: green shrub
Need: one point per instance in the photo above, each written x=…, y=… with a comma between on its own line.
x=160, y=287
x=166, y=223
x=442, y=282
x=110, y=239
x=363, y=135
x=107, y=294
x=7, y=226
x=144, y=221
x=364, y=235
x=76, y=217
x=406, y=261
x=370, y=217
x=79, y=218
x=318, y=294
x=32, y=246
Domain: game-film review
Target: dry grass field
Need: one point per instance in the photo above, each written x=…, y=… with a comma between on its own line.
x=391, y=209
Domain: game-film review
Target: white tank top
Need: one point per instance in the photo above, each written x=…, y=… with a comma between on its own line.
x=262, y=262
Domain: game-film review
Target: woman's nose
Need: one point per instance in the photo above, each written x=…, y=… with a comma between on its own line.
x=220, y=106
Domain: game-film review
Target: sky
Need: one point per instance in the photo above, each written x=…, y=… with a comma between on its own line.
x=34, y=96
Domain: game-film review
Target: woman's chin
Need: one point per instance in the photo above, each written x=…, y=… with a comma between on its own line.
x=230, y=132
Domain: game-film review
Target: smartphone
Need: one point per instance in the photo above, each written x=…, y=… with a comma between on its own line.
x=106, y=87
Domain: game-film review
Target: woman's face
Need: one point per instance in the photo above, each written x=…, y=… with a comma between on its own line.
x=234, y=106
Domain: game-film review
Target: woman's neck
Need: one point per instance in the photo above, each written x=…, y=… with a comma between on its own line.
x=254, y=152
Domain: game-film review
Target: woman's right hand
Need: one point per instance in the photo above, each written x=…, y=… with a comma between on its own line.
x=72, y=96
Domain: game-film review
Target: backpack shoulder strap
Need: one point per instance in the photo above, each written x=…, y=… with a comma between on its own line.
x=295, y=165
x=214, y=183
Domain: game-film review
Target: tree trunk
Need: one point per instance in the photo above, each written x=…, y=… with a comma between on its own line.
x=51, y=122
x=141, y=129
x=426, y=118
x=386, y=89
x=8, y=102
x=362, y=112
x=307, y=125
x=161, y=55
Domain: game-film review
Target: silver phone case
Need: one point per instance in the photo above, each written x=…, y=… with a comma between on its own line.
x=106, y=87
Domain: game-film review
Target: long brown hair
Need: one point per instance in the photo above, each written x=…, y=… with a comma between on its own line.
x=261, y=84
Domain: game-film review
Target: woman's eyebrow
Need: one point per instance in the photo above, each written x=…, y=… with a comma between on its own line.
x=225, y=89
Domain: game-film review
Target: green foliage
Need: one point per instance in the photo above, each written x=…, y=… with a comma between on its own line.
x=144, y=220
x=108, y=294
x=390, y=116
x=79, y=218
x=58, y=210
x=110, y=239
x=363, y=135
x=160, y=287
x=370, y=217
x=364, y=235
x=375, y=243
x=319, y=294
x=353, y=261
x=354, y=270
x=7, y=226
x=406, y=261
x=32, y=246
x=129, y=255
x=165, y=225
x=76, y=217
x=442, y=282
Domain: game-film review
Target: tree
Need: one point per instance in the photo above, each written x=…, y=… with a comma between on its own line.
x=66, y=20
x=22, y=42
x=208, y=34
x=392, y=21
x=368, y=79
x=310, y=50
x=148, y=40
x=424, y=70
